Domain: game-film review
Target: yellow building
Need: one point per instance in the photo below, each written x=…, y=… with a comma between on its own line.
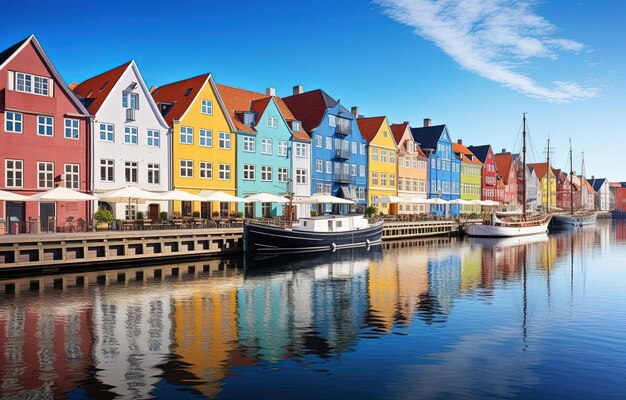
x=204, y=143
x=382, y=161
x=541, y=170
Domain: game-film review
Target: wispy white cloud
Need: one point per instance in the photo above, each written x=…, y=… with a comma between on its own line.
x=492, y=38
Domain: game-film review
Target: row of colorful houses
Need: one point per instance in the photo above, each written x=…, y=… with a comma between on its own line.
x=196, y=135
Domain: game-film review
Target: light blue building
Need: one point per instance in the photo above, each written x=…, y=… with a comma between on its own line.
x=444, y=168
x=338, y=151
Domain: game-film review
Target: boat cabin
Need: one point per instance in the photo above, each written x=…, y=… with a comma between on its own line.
x=331, y=223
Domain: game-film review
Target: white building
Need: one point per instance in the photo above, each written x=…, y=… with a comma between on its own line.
x=130, y=139
x=300, y=167
x=603, y=193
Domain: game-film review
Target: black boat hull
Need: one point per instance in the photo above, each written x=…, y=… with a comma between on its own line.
x=258, y=238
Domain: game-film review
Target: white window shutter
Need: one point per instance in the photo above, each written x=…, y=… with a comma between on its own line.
x=51, y=87
x=11, y=80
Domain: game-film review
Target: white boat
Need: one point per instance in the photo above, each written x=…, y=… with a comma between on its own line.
x=513, y=225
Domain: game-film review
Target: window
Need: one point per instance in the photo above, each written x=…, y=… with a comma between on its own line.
x=318, y=141
x=154, y=174
x=353, y=146
x=45, y=175
x=301, y=176
x=329, y=143
x=301, y=150
x=206, y=138
x=329, y=167
x=414, y=163
x=266, y=146
x=374, y=178
x=295, y=126
x=186, y=135
x=272, y=122
x=383, y=179
x=282, y=175
x=332, y=120
x=374, y=154
x=154, y=138
x=45, y=126
x=13, y=121
x=383, y=156
x=392, y=157
x=319, y=188
x=130, y=211
x=130, y=100
x=249, y=172
x=328, y=188
x=107, y=132
x=362, y=149
x=130, y=171
x=71, y=128
x=361, y=192
x=130, y=135
x=362, y=170
x=353, y=169
x=248, y=118
x=319, y=165
x=107, y=170
x=384, y=133
x=32, y=84
x=224, y=140
x=206, y=170
x=14, y=173
x=224, y=172
x=186, y=168
x=207, y=107
x=282, y=148
x=72, y=176
x=249, y=144
x=392, y=180
x=266, y=173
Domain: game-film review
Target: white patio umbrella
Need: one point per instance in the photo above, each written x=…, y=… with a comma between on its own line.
x=319, y=198
x=460, y=201
x=62, y=194
x=419, y=200
x=437, y=200
x=218, y=196
x=179, y=195
x=267, y=198
x=10, y=196
x=392, y=199
x=128, y=193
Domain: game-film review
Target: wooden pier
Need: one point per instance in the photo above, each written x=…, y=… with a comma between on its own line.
x=415, y=229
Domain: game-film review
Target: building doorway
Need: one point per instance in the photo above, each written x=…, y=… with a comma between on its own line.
x=205, y=209
x=47, y=217
x=224, y=209
x=153, y=212
x=186, y=208
x=16, y=214
x=249, y=210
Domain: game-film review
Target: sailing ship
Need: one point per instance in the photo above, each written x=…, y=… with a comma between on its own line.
x=574, y=218
x=515, y=225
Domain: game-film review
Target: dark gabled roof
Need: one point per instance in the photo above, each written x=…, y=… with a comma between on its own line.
x=480, y=151
x=9, y=52
x=597, y=183
x=427, y=137
x=309, y=107
x=94, y=91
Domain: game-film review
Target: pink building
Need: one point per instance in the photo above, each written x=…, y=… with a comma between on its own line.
x=44, y=139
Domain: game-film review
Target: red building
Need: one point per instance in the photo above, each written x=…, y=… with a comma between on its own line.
x=563, y=189
x=44, y=138
x=506, y=169
x=620, y=199
x=490, y=176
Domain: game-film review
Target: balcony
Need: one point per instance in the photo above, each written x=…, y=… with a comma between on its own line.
x=342, y=154
x=130, y=114
x=343, y=127
x=341, y=178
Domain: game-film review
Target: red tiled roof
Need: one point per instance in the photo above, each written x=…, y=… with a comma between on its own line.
x=175, y=93
x=99, y=87
x=540, y=169
x=503, y=165
x=369, y=127
x=465, y=154
x=398, y=131
x=309, y=107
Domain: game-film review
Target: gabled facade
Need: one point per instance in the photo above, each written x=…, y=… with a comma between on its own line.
x=577, y=191
x=338, y=150
x=130, y=139
x=444, y=168
x=412, y=169
x=587, y=194
x=471, y=177
x=203, y=143
x=264, y=140
x=506, y=169
x=532, y=184
x=603, y=193
x=546, y=177
x=44, y=139
x=382, y=162
x=563, y=190
x=484, y=153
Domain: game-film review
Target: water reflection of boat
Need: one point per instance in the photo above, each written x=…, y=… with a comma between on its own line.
x=509, y=241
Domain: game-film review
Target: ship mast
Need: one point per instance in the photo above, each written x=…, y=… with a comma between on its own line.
x=548, y=172
x=583, y=195
x=524, y=162
x=571, y=176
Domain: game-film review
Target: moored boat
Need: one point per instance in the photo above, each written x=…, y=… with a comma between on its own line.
x=574, y=219
x=324, y=233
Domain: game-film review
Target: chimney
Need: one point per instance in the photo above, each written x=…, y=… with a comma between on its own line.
x=460, y=141
x=152, y=89
x=406, y=122
x=426, y=122
x=503, y=150
x=270, y=91
x=355, y=111
x=72, y=85
x=298, y=89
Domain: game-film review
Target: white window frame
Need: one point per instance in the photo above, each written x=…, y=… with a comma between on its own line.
x=362, y=170
x=48, y=175
x=329, y=167
x=71, y=176
x=272, y=122
x=296, y=124
x=224, y=141
x=363, y=149
x=353, y=169
x=186, y=135
x=282, y=148
x=319, y=141
x=332, y=120
x=153, y=138
x=374, y=155
x=130, y=133
x=186, y=168
x=73, y=128
x=319, y=165
x=206, y=107
x=129, y=168
x=282, y=174
x=15, y=171
x=249, y=172
x=206, y=170
x=301, y=150
x=353, y=147
x=249, y=144
x=10, y=118
x=48, y=123
x=104, y=128
x=301, y=176
x=205, y=135
x=32, y=82
x=109, y=166
x=265, y=142
x=154, y=174
x=127, y=102
x=224, y=172
x=329, y=143
x=266, y=173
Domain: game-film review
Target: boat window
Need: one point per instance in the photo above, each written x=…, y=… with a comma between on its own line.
x=304, y=223
x=338, y=224
x=330, y=226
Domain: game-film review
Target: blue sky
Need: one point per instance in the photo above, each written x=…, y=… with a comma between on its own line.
x=475, y=67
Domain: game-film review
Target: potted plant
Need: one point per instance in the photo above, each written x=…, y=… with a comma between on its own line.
x=371, y=210
x=103, y=218
x=215, y=214
x=196, y=214
x=140, y=215
x=163, y=216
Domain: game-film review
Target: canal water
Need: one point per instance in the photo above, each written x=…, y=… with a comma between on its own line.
x=538, y=317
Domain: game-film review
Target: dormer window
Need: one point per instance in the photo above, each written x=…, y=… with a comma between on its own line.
x=187, y=92
x=248, y=118
x=295, y=126
x=130, y=100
